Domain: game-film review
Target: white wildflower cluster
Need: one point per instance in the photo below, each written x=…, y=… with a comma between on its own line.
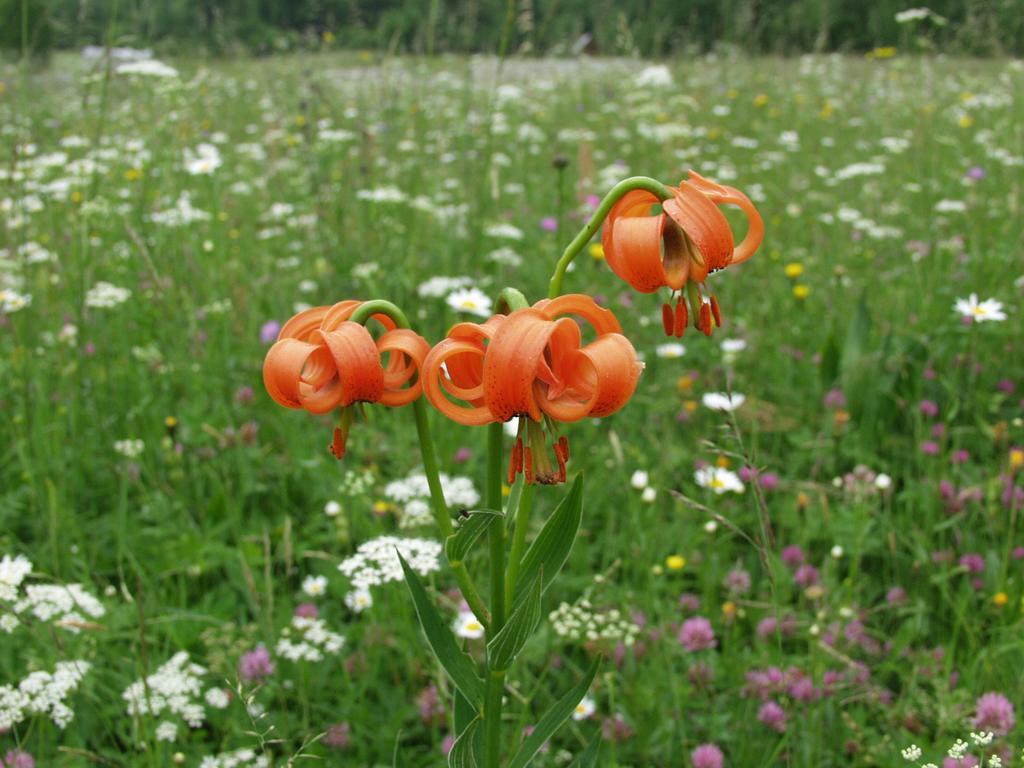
x=180, y=214
x=439, y=286
x=236, y=759
x=654, y=76
x=376, y=561
x=42, y=693
x=147, y=68
x=356, y=482
x=381, y=195
x=582, y=622
x=11, y=301
x=911, y=753
x=505, y=231
x=106, y=295
x=308, y=639
x=203, y=161
x=130, y=448
x=13, y=571
x=174, y=688
x=412, y=494
x=63, y=604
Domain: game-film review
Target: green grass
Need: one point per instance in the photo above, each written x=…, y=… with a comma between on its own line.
x=201, y=543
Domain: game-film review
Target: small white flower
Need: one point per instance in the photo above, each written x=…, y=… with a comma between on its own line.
x=332, y=509
x=471, y=300
x=649, y=495
x=167, y=731
x=584, y=709
x=836, y=552
x=711, y=526
x=883, y=482
x=468, y=625
x=654, y=76
x=721, y=401
x=639, y=479
x=958, y=750
x=217, y=698
x=995, y=762
x=983, y=738
x=670, y=350
x=358, y=600
x=718, y=479
x=980, y=311
x=911, y=753
x=315, y=586
x=130, y=448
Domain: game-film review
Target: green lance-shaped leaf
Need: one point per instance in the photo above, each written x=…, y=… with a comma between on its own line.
x=467, y=751
x=552, y=720
x=457, y=546
x=503, y=648
x=459, y=666
x=550, y=549
x=464, y=713
x=588, y=757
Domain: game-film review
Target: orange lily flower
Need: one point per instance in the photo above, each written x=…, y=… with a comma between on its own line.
x=686, y=242
x=322, y=361
x=532, y=364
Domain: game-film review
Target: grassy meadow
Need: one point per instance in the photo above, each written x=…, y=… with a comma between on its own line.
x=801, y=540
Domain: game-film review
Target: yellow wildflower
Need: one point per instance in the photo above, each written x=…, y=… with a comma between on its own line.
x=794, y=269
x=675, y=562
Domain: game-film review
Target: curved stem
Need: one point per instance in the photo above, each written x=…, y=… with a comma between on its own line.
x=523, y=511
x=509, y=300
x=430, y=467
x=626, y=185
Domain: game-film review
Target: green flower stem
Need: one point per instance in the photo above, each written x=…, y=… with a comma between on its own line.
x=496, y=541
x=492, y=716
x=626, y=185
x=430, y=467
x=515, y=557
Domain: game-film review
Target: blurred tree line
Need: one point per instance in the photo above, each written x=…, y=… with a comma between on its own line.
x=613, y=27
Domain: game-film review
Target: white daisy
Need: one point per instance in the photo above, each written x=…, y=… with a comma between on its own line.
x=979, y=311
x=718, y=479
x=722, y=401
x=315, y=586
x=468, y=625
x=670, y=349
x=471, y=300
x=584, y=709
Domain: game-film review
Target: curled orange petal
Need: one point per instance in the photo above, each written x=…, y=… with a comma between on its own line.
x=513, y=360
x=407, y=351
x=436, y=382
x=303, y=324
x=603, y=320
x=282, y=370
x=358, y=375
x=702, y=225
